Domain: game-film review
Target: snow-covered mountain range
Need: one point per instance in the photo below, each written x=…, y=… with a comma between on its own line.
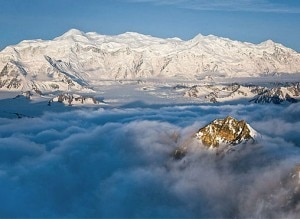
x=73, y=99
x=77, y=60
x=277, y=93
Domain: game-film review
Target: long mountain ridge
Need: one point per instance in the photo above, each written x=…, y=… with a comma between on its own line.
x=77, y=59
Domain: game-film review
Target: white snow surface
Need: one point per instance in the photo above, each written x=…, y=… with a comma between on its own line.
x=78, y=60
x=254, y=134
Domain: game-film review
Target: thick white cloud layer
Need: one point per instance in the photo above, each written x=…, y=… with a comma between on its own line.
x=117, y=163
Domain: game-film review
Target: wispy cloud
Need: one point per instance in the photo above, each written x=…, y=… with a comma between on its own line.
x=228, y=5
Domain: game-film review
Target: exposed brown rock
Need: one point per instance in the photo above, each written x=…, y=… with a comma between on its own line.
x=224, y=131
x=221, y=134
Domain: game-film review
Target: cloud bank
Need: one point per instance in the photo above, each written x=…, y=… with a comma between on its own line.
x=117, y=163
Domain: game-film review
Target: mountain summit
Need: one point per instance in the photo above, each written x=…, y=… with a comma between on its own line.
x=227, y=131
x=221, y=135
x=73, y=32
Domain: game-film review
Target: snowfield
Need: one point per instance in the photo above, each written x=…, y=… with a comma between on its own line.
x=79, y=61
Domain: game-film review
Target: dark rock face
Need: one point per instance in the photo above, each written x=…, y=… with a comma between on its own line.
x=73, y=99
x=278, y=94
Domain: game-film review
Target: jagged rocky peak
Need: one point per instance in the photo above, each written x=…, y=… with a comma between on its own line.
x=73, y=99
x=11, y=76
x=25, y=94
x=29, y=94
x=227, y=131
x=273, y=93
x=221, y=135
x=282, y=93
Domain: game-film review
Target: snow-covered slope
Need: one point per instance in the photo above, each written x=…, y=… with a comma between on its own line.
x=76, y=59
x=221, y=93
x=276, y=93
x=279, y=94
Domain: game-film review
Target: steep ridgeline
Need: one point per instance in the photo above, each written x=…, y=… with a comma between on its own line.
x=222, y=136
x=73, y=99
x=289, y=93
x=227, y=131
x=275, y=93
x=76, y=60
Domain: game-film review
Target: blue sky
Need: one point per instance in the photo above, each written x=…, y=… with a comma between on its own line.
x=245, y=20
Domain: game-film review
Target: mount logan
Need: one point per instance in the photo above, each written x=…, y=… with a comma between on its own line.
x=77, y=60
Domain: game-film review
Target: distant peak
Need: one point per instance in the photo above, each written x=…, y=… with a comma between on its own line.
x=133, y=34
x=268, y=43
x=230, y=118
x=73, y=32
x=198, y=37
x=201, y=37
x=175, y=38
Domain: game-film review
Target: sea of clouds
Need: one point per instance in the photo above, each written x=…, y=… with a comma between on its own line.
x=118, y=163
